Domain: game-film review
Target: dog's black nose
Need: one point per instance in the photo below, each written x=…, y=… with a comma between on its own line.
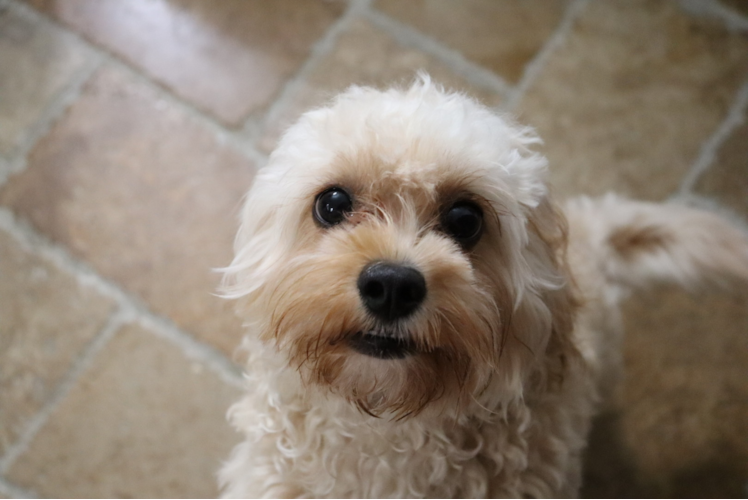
x=391, y=291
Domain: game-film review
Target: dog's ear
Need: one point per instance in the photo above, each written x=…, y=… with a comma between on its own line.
x=261, y=242
x=555, y=297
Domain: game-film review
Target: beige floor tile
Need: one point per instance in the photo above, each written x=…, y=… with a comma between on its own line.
x=145, y=194
x=37, y=63
x=682, y=421
x=229, y=57
x=46, y=319
x=627, y=101
x=500, y=36
x=143, y=421
x=363, y=55
x=727, y=179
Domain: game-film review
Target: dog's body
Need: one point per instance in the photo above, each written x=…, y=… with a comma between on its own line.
x=500, y=326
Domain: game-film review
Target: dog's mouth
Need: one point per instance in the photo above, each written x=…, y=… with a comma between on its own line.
x=381, y=346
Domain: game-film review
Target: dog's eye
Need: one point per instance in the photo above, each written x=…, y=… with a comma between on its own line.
x=464, y=222
x=332, y=206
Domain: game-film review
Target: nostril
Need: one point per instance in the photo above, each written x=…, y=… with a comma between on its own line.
x=373, y=289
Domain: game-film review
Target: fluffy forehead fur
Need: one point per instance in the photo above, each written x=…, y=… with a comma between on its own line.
x=405, y=156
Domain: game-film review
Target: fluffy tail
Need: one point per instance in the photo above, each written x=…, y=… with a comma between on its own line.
x=637, y=243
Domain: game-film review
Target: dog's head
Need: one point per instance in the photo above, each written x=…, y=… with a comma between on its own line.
x=400, y=250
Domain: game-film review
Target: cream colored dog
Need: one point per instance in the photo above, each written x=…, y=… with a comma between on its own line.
x=422, y=319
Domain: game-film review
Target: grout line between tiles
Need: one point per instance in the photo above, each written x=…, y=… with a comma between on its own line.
x=35, y=423
x=9, y=489
x=708, y=153
x=454, y=60
x=536, y=65
x=221, y=132
x=191, y=347
x=733, y=20
x=60, y=103
x=224, y=135
x=49, y=117
x=711, y=205
x=31, y=241
x=255, y=127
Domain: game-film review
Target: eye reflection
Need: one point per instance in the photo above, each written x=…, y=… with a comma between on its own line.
x=332, y=206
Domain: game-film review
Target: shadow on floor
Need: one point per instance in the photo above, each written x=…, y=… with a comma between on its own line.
x=612, y=471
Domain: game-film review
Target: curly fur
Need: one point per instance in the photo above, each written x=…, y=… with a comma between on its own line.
x=516, y=338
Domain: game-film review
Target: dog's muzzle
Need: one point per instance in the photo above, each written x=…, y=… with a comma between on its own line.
x=382, y=345
x=390, y=292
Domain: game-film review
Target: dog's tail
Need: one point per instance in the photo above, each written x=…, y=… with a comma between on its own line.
x=637, y=243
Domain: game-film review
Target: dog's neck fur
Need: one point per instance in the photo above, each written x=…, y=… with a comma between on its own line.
x=510, y=450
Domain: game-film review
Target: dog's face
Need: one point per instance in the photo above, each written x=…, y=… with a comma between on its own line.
x=399, y=249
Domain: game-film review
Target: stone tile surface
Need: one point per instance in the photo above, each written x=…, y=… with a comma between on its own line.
x=143, y=421
x=363, y=55
x=682, y=421
x=146, y=195
x=727, y=179
x=627, y=101
x=229, y=57
x=37, y=63
x=500, y=36
x=46, y=320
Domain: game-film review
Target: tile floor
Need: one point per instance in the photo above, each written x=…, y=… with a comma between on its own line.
x=130, y=130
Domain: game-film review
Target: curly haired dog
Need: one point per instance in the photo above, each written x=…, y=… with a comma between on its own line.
x=423, y=320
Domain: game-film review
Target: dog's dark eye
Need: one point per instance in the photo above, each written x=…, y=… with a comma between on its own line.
x=332, y=206
x=464, y=222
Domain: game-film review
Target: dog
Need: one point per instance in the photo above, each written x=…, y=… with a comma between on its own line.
x=423, y=319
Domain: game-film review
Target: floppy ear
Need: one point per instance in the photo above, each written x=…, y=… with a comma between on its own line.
x=550, y=309
x=262, y=240
x=536, y=296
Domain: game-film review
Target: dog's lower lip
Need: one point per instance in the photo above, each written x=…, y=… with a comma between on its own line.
x=381, y=346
